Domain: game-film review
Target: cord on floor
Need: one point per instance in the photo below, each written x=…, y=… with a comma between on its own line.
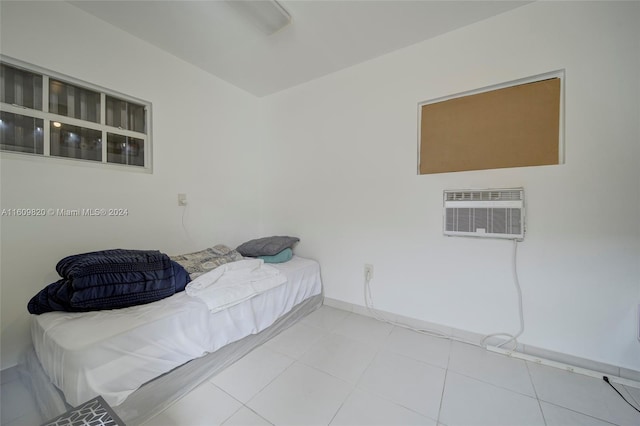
x=606, y=379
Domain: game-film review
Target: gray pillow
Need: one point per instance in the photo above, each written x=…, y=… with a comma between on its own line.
x=268, y=246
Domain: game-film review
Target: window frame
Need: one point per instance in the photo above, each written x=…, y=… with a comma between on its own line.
x=101, y=126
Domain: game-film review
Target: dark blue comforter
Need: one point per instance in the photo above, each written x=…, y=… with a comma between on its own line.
x=110, y=279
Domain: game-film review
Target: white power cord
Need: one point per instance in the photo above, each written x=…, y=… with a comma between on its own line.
x=184, y=228
x=512, y=338
x=368, y=301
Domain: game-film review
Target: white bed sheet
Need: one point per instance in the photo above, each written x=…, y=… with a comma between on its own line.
x=112, y=353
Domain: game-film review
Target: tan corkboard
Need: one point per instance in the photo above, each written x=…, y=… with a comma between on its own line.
x=516, y=126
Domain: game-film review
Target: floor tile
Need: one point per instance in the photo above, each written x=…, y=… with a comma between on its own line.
x=30, y=419
x=364, y=408
x=207, y=405
x=490, y=367
x=340, y=356
x=296, y=340
x=247, y=376
x=246, y=417
x=558, y=416
x=16, y=401
x=405, y=381
x=583, y=394
x=468, y=402
x=301, y=396
x=419, y=346
x=325, y=317
x=365, y=329
x=635, y=393
x=9, y=375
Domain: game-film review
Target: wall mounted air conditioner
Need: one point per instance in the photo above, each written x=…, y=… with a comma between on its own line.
x=489, y=213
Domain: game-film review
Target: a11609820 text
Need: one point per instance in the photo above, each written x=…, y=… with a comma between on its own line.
x=61, y=212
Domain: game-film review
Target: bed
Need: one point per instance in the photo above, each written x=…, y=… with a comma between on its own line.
x=141, y=358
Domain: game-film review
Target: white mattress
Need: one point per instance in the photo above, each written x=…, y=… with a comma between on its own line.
x=112, y=353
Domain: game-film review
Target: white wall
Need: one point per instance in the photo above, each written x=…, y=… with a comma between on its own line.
x=202, y=146
x=342, y=176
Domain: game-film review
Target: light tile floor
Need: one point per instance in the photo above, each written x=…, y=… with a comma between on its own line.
x=339, y=368
x=18, y=407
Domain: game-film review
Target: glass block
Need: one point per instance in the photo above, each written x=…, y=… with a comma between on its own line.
x=20, y=87
x=75, y=142
x=72, y=101
x=125, y=150
x=125, y=115
x=20, y=133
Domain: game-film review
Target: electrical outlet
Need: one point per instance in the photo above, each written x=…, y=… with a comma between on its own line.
x=368, y=272
x=182, y=199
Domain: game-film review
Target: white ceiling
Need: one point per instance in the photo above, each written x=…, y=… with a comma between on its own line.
x=323, y=37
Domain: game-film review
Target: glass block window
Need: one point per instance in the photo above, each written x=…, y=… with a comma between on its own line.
x=125, y=115
x=20, y=87
x=125, y=150
x=47, y=114
x=73, y=101
x=76, y=142
x=21, y=133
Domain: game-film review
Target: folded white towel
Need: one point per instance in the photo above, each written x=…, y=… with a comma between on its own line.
x=234, y=282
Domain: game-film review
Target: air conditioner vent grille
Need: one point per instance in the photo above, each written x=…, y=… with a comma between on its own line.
x=484, y=213
x=488, y=221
